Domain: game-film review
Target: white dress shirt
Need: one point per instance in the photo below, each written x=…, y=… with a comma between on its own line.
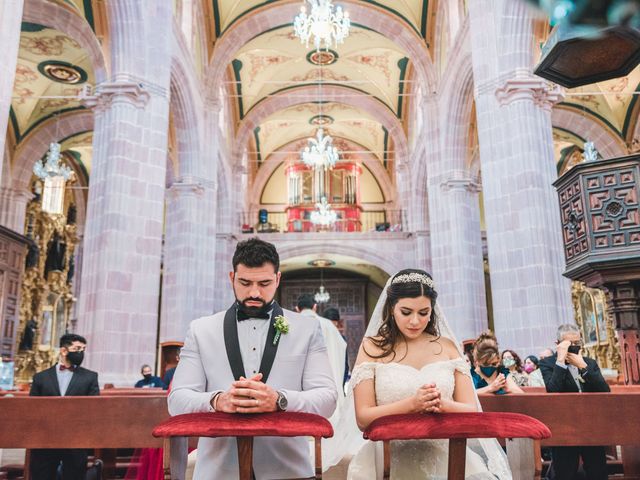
x=252, y=335
x=64, y=378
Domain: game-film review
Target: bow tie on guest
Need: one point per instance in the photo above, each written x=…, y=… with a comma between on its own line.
x=72, y=368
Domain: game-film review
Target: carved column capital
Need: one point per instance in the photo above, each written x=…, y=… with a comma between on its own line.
x=108, y=93
x=460, y=181
x=527, y=87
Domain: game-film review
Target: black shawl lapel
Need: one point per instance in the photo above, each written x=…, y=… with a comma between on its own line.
x=232, y=344
x=269, y=353
x=53, y=379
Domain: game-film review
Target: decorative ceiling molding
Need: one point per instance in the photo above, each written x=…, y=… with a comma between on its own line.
x=376, y=109
x=275, y=15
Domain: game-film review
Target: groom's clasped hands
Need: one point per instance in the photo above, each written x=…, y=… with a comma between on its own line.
x=427, y=399
x=247, y=396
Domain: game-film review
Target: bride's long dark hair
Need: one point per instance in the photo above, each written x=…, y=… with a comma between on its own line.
x=389, y=334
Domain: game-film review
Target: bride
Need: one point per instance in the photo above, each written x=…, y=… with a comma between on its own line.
x=409, y=362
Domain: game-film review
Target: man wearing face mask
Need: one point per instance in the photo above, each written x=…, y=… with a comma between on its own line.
x=65, y=379
x=566, y=371
x=148, y=379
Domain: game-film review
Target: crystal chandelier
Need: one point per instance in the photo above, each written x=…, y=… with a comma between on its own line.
x=326, y=26
x=323, y=215
x=320, y=153
x=55, y=175
x=322, y=296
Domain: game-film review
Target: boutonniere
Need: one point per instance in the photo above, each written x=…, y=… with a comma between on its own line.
x=282, y=327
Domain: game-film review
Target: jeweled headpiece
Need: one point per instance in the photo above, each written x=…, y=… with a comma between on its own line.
x=415, y=277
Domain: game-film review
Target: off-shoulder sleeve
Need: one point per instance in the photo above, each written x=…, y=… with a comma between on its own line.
x=462, y=366
x=362, y=371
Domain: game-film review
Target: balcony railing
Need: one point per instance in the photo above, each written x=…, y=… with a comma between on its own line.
x=369, y=221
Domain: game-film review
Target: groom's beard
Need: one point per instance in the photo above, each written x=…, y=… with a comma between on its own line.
x=253, y=310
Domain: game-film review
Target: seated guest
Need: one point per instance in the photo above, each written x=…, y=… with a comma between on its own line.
x=488, y=374
x=547, y=352
x=568, y=371
x=65, y=379
x=535, y=375
x=149, y=380
x=511, y=361
x=168, y=375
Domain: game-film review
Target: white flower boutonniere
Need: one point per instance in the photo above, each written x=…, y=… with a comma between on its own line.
x=282, y=327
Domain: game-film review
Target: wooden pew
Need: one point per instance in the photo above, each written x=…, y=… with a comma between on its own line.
x=582, y=419
x=108, y=422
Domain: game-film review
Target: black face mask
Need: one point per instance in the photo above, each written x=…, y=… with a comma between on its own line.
x=75, y=358
x=147, y=376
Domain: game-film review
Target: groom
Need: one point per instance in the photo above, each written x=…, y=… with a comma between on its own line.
x=242, y=361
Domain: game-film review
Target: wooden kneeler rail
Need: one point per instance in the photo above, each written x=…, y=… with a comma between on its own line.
x=244, y=428
x=523, y=435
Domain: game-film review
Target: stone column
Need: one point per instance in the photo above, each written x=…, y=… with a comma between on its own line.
x=530, y=295
x=10, y=22
x=190, y=242
x=13, y=208
x=119, y=301
x=454, y=224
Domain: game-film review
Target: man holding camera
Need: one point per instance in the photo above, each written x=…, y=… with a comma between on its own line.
x=568, y=371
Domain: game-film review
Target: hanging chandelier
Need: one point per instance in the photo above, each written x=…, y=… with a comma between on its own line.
x=320, y=153
x=55, y=175
x=323, y=215
x=322, y=296
x=326, y=26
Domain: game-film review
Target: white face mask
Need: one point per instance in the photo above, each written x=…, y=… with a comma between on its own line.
x=508, y=362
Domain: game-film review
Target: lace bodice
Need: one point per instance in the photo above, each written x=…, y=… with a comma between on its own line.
x=395, y=381
x=415, y=459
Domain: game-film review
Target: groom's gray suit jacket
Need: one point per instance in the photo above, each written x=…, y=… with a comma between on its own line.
x=300, y=369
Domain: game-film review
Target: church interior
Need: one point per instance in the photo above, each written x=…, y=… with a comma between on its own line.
x=141, y=140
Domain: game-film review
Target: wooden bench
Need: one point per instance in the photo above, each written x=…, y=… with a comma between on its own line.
x=577, y=419
x=108, y=423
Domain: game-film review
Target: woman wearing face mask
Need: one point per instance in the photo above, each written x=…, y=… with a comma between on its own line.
x=535, y=375
x=512, y=362
x=489, y=375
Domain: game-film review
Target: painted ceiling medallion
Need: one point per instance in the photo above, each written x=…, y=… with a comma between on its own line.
x=321, y=120
x=62, y=72
x=322, y=57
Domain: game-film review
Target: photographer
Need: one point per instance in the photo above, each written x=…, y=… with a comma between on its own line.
x=568, y=371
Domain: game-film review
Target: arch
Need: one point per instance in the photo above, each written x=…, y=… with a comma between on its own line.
x=283, y=12
x=281, y=155
x=59, y=18
x=363, y=250
x=332, y=93
x=184, y=101
x=608, y=142
x=457, y=98
x=36, y=144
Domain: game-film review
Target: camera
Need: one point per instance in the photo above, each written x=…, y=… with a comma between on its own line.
x=575, y=349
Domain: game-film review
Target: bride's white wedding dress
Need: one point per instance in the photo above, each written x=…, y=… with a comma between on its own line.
x=414, y=459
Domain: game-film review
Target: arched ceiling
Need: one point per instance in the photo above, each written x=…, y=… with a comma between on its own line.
x=417, y=14
x=611, y=102
x=50, y=64
x=276, y=61
x=339, y=120
x=84, y=8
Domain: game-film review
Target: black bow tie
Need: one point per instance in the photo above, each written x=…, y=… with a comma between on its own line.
x=260, y=315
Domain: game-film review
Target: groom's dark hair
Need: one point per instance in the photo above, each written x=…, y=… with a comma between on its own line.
x=254, y=253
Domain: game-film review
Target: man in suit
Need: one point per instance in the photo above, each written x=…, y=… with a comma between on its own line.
x=568, y=371
x=240, y=362
x=149, y=380
x=65, y=379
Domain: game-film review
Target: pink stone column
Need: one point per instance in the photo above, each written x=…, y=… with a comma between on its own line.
x=454, y=225
x=530, y=295
x=13, y=207
x=10, y=21
x=119, y=301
